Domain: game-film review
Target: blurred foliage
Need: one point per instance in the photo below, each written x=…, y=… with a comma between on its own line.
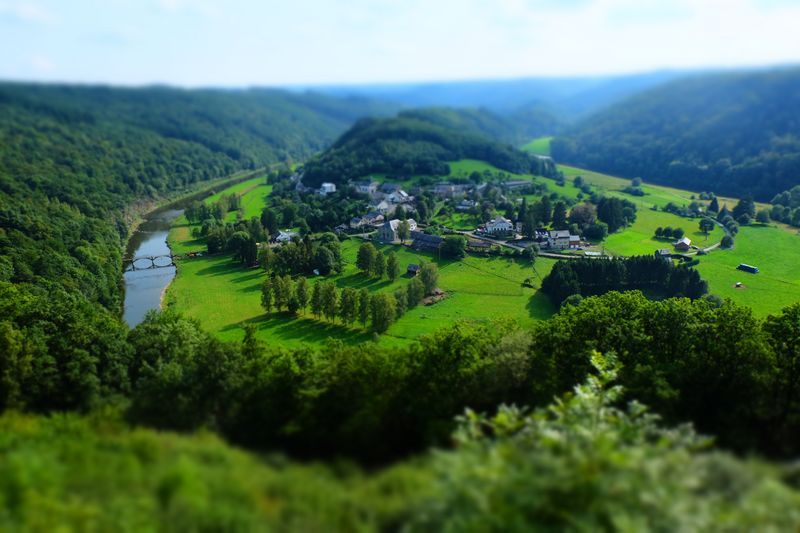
x=580, y=464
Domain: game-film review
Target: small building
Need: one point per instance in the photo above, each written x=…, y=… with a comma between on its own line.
x=665, y=254
x=388, y=231
x=382, y=207
x=684, y=244
x=517, y=184
x=574, y=242
x=500, y=225
x=372, y=218
x=592, y=254
x=399, y=197
x=366, y=186
x=389, y=188
x=466, y=205
x=327, y=188
x=748, y=268
x=413, y=270
x=558, y=239
x=423, y=242
x=285, y=236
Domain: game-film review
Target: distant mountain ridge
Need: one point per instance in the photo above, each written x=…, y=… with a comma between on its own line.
x=732, y=133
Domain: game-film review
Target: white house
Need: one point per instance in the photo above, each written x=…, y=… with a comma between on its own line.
x=285, y=236
x=327, y=188
x=388, y=232
x=366, y=186
x=399, y=197
x=562, y=240
x=382, y=207
x=500, y=224
x=684, y=244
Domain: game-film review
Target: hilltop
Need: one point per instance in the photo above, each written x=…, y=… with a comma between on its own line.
x=420, y=142
x=731, y=133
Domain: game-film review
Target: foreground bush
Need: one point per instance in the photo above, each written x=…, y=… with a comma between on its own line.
x=580, y=464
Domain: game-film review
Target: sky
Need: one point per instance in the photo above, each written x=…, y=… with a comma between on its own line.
x=235, y=43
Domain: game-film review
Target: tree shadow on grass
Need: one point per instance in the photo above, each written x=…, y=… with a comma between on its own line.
x=361, y=281
x=540, y=307
x=301, y=328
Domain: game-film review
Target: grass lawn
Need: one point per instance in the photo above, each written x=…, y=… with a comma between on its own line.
x=458, y=221
x=239, y=188
x=540, y=146
x=639, y=240
x=222, y=296
x=777, y=255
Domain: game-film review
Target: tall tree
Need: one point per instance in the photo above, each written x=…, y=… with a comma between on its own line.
x=429, y=275
x=363, y=306
x=365, y=261
x=403, y=231
x=301, y=293
x=316, y=299
x=266, y=295
x=348, y=308
x=379, y=266
x=560, y=215
x=392, y=266
x=330, y=300
x=384, y=311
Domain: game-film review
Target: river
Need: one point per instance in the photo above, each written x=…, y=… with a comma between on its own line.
x=144, y=288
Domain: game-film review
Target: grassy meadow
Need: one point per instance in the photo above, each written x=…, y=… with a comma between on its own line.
x=539, y=146
x=223, y=296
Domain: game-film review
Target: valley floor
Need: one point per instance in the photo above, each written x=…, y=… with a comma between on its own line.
x=223, y=296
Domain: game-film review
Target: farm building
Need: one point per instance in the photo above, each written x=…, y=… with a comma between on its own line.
x=500, y=224
x=388, y=232
x=412, y=270
x=665, y=254
x=516, y=184
x=423, y=242
x=327, y=188
x=684, y=244
x=748, y=268
x=389, y=188
x=366, y=186
x=561, y=240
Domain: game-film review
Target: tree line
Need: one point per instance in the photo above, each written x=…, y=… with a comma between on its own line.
x=348, y=305
x=589, y=277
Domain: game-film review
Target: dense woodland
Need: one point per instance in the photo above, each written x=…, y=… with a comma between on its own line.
x=730, y=133
x=417, y=143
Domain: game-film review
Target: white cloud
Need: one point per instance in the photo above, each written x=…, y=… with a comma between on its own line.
x=27, y=12
x=42, y=64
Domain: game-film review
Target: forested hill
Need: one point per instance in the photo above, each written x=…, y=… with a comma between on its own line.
x=71, y=158
x=421, y=142
x=94, y=147
x=732, y=133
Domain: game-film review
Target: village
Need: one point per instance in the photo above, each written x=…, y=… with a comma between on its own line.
x=391, y=208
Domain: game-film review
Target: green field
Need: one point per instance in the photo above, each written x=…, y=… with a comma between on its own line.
x=223, y=296
x=539, y=146
x=774, y=251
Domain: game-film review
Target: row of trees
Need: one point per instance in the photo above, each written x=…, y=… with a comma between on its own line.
x=669, y=233
x=348, y=305
x=372, y=262
x=589, y=277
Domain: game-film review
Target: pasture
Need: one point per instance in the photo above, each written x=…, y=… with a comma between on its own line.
x=539, y=146
x=223, y=296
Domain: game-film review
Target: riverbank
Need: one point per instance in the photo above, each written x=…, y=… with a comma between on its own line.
x=149, y=225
